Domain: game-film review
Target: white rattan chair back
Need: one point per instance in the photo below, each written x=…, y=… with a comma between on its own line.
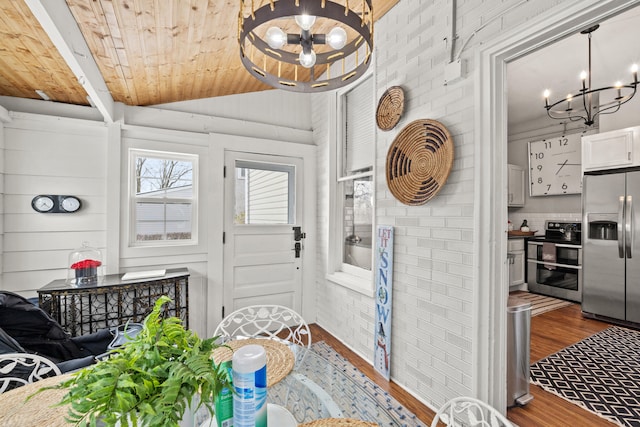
x=266, y=321
x=469, y=412
x=18, y=369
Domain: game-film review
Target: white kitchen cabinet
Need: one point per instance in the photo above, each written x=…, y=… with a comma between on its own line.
x=515, y=198
x=516, y=259
x=611, y=150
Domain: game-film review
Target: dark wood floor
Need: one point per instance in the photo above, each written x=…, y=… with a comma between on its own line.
x=550, y=332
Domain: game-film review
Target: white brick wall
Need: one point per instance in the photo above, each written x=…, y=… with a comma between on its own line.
x=433, y=280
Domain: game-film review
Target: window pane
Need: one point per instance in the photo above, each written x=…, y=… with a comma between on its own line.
x=149, y=212
x=162, y=177
x=160, y=221
x=178, y=211
x=179, y=230
x=358, y=220
x=149, y=231
x=264, y=194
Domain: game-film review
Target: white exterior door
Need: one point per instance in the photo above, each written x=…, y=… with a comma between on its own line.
x=263, y=261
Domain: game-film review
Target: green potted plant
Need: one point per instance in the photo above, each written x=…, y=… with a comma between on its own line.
x=150, y=381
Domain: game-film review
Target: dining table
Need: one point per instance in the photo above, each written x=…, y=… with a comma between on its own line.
x=315, y=391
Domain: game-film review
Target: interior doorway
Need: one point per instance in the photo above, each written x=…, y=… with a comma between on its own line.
x=490, y=300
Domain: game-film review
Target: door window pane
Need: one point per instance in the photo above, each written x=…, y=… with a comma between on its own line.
x=264, y=193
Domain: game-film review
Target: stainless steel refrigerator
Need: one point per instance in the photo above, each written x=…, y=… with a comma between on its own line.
x=611, y=246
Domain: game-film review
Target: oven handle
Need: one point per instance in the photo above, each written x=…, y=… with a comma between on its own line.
x=620, y=233
x=559, y=245
x=573, y=267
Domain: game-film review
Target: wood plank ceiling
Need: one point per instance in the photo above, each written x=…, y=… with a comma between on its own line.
x=147, y=51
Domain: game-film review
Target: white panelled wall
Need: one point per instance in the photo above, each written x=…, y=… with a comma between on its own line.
x=50, y=155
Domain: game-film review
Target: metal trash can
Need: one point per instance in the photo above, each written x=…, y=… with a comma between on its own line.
x=518, y=344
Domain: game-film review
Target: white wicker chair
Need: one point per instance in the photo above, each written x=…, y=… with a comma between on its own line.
x=266, y=321
x=18, y=369
x=468, y=411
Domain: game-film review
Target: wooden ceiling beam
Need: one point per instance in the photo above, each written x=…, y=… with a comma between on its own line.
x=58, y=22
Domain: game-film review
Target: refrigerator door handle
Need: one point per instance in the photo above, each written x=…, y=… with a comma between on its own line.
x=627, y=225
x=620, y=231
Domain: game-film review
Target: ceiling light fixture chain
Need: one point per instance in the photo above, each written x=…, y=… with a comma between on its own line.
x=586, y=94
x=345, y=34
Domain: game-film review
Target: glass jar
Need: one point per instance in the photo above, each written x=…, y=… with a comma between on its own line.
x=85, y=266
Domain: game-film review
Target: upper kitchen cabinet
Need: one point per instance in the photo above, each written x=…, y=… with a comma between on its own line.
x=516, y=186
x=611, y=150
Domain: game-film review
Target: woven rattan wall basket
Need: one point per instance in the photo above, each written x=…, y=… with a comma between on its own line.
x=419, y=161
x=390, y=108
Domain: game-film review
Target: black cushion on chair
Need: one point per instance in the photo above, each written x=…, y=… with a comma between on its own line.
x=35, y=329
x=75, y=364
x=8, y=344
x=37, y=332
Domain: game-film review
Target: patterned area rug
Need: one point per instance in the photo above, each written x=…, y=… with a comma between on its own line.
x=600, y=373
x=540, y=303
x=403, y=416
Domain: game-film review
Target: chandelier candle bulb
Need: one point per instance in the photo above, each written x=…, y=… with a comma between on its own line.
x=546, y=97
x=618, y=86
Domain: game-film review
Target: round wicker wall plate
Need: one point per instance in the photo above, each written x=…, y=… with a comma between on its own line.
x=390, y=108
x=419, y=161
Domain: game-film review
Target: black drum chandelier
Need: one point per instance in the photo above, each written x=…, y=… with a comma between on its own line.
x=588, y=105
x=306, y=45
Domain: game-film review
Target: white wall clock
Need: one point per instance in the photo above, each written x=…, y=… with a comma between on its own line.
x=555, y=166
x=42, y=203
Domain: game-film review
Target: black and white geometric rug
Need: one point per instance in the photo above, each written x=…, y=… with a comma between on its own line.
x=600, y=373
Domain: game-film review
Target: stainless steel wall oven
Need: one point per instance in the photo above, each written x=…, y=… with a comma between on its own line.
x=554, y=262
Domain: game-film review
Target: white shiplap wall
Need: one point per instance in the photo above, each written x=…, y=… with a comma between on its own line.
x=50, y=155
x=434, y=273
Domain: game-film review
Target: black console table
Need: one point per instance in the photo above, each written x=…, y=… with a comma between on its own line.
x=113, y=301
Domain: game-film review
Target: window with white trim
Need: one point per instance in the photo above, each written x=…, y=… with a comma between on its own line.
x=355, y=181
x=163, y=194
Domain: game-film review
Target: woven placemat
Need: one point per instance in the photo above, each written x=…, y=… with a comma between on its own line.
x=338, y=422
x=390, y=108
x=280, y=358
x=419, y=161
x=40, y=410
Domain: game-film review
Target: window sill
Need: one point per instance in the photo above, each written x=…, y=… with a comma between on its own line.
x=355, y=283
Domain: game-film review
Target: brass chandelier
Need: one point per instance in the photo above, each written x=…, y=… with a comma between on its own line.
x=587, y=99
x=279, y=45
